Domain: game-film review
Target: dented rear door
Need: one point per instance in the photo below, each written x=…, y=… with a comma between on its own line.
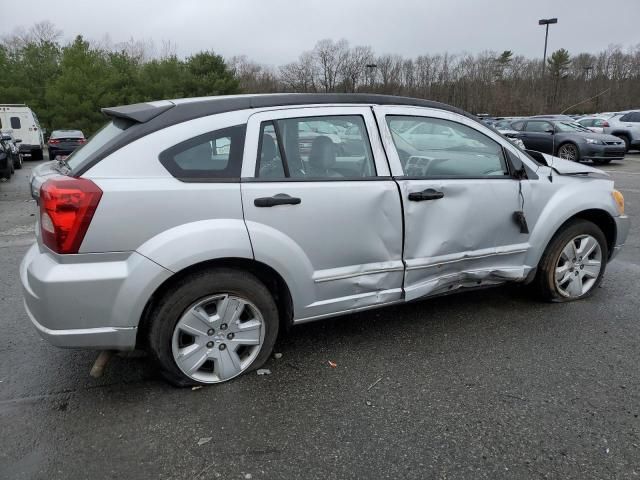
x=458, y=200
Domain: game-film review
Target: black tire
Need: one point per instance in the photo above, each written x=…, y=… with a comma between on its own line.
x=37, y=154
x=573, y=147
x=627, y=142
x=544, y=282
x=183, y=294
x=602, y=161
x=18, y=164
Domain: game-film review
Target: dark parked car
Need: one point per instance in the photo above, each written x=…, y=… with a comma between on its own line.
x=64, y=142
x=6, y=163
x=14, y=150
x=569, y=141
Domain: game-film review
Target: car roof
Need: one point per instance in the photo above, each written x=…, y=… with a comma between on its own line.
x=180, y=110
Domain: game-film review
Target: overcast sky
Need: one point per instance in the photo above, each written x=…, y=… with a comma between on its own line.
x=276, y=31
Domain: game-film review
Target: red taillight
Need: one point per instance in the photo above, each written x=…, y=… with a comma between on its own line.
x=605, y=124
x=53, y=141
x=67, y=206
x=82, y=140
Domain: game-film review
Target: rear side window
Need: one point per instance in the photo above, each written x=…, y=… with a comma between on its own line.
x=517, y=125
x=315, y=148
x=213, y=156
x=631, y=117
x=15, y=122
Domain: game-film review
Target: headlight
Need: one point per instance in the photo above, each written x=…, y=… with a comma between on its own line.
x=619, y=198
x=594, y=141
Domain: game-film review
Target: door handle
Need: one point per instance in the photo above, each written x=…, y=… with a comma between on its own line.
x=428, y=194
x=278, y=199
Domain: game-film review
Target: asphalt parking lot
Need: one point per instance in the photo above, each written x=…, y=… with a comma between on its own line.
x=486, y=384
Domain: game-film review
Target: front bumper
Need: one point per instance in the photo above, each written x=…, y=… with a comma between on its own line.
x=622, y=230
x=88, y=300
x=602, y=152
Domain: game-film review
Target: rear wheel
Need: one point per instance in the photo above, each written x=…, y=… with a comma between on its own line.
x=18, y=163
x=573, y=264
x=36, y=154
x=569, y=151
x=212, y=327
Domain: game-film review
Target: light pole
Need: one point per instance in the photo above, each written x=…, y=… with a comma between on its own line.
x=546, y=22
x=371, y=67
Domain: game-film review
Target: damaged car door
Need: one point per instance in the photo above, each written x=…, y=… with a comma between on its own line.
x=328, y=217
x=459, y=199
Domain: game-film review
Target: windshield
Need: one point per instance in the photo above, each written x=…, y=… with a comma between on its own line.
x=570, y=127
x=101, y=137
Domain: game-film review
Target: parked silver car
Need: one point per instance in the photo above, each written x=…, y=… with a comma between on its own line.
x=197, y=228
x=626, y=125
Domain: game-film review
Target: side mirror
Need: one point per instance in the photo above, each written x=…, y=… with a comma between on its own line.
x=549, y=130
x=18, y=140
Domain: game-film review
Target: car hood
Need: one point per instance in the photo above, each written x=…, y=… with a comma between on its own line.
x=597, y=136
x=566, y=167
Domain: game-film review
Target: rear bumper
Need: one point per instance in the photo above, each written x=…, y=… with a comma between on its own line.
x=622, y=230
x=26, y=149
x=88, y=300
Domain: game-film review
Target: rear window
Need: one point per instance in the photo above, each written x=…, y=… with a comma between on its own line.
x=213, y=156
x=107, y=133
x=15, y=123
x=67, y=134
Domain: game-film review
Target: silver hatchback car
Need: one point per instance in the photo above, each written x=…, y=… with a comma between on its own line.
x=196, y=228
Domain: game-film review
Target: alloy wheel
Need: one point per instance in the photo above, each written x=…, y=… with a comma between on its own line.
x=568, y=152
x=217, y=338
x=578, y=266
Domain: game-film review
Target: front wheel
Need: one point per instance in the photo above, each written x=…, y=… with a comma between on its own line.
x=627, y=142
x=569, y=151
x=573, y=264
x=18, y=163
x=212, y=327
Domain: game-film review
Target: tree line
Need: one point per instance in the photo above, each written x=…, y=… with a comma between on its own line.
x=66, y=84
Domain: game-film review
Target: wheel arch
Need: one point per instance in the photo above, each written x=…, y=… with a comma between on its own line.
x=266, y=274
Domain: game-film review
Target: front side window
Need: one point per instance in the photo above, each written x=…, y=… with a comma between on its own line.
x=434, y=147
x=539, y=127
x=15, y=122
x=330, y=147
x=207, y=157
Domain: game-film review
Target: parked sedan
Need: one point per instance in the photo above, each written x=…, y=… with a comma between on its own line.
x=12, y=143
x=569, y=141
x=154, y=238
x=595, y=124
x=64, y=142
x=6, y=161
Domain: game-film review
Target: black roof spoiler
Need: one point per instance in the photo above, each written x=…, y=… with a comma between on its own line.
x=137, y=112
